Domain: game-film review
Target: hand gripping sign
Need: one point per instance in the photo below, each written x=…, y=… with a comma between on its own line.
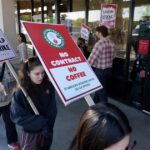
x=63, y=61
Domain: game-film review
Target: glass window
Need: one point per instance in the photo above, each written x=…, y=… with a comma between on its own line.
x=120, y=32
x=25, y=12
x=94, y=13
x=49, y=12
x=25, y=15
x=141, y=13
x=74, y=19
x=78, y=17
x=37, y=11
x=49, y=16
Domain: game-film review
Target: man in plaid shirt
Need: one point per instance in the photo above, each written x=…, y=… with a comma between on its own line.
x=101, y=59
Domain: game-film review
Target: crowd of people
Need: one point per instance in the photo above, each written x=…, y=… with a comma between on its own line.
x=101, y=127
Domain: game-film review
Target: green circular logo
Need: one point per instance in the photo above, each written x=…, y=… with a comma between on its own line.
x=54, y=38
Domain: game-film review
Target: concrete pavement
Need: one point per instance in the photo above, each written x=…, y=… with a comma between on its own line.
x=68, y=118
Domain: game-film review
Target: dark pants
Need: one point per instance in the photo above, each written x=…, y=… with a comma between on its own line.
x=35, y=141
x=146, y=99
x=11, y=132
x=137, y=92
x=102, y=75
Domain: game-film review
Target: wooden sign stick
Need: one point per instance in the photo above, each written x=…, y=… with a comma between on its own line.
x=4, y=91
x=89, y=100
x=23, y=90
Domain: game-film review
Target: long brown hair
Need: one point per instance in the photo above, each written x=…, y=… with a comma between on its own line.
x=100, y=127
x=25, y=69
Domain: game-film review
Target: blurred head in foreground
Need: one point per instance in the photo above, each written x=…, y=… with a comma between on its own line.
x=102, y=127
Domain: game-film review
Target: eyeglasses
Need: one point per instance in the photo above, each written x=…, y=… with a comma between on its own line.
x=131, y=146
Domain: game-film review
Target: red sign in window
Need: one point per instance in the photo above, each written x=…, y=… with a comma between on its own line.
x=143, y=47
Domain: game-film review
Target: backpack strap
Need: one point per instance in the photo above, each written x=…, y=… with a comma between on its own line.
x=2, y=72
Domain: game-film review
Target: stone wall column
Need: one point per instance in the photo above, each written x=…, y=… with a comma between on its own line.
x=7, y=20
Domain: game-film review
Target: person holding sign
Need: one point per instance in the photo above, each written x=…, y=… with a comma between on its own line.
x=81, y=44
x=39, y=128
x=101, y=59
x=103, y=127
x=22, y=47
x=7, y=83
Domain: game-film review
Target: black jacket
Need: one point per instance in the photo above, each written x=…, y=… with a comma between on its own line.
x=23, y=115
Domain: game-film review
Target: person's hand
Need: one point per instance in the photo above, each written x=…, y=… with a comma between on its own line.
x=142, y=73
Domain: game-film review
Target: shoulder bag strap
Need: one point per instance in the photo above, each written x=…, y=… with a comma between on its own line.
x=2, y=72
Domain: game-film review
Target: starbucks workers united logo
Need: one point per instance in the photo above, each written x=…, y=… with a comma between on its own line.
x=54, y=38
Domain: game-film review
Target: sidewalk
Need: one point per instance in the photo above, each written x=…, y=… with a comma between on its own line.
x=68, y=118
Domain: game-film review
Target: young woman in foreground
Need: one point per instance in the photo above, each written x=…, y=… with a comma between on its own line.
x=37, y=131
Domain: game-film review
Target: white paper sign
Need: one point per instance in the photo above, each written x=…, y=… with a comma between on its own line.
x=63, y=61
x=6, y=51
x=85, y=31
x=108, y=15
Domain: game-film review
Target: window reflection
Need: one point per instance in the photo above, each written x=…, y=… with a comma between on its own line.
x=141, y=13
x=120, y=32
x=73, y=20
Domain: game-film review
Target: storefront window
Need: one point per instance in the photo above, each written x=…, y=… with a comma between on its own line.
x=141, y=13
x=25, y=12
x=47, y=7
x=49, y=13
x=94, y=14
x=74, y=19
x=79, y=17
x=120, y=32
x=37, y=17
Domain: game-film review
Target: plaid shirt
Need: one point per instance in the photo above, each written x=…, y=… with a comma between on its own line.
x=102, y=54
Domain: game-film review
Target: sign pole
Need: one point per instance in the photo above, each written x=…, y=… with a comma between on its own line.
x=89, y=100
x=23, y=90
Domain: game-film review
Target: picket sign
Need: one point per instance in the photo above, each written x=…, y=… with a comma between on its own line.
x=23, y=90
x=88, y=98
x=63, y=61
x=7, y=53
